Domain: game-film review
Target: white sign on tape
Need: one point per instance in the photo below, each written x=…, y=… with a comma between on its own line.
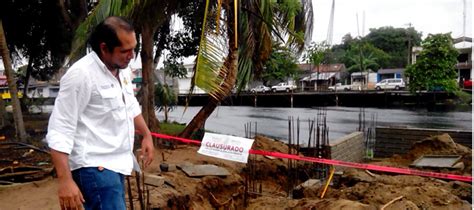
x=226, y=147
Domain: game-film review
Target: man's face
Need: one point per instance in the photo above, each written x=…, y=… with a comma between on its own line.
x=120, y=56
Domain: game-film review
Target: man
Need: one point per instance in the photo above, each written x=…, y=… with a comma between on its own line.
x=91, y=129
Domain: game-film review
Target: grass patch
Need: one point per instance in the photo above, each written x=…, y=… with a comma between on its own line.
x=464, y=97
x=171, y=128
x=175, y=128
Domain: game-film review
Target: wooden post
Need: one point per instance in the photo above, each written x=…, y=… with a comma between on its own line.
x=291, y=100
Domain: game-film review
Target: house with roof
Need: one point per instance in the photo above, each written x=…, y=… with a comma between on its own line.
x=43, y=89
x=180, y=85
x=3, y=81
x=390, y=73
x=322, y=76
x=3, y=78
x=4, y=90
x=365, y=80
x=464, y=65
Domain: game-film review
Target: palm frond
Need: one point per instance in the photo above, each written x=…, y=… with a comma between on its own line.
x=255, y=29
x=210, y=70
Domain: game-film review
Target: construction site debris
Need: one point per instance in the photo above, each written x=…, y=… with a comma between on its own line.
x=436, y=161
x=351, y=189
x=154, y=180
x=204, y=170
x=20, y=163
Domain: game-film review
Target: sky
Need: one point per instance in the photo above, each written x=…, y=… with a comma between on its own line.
x=426, y=16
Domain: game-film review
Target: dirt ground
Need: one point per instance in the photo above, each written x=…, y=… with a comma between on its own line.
x=353, y=189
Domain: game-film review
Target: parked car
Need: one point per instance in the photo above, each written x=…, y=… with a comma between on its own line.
x=260, y=89
x=282, y=86
x=467, y=84
x=390, y=84
x=339, y=87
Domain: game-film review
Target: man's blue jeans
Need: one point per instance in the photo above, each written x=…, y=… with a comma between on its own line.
x=102, y=189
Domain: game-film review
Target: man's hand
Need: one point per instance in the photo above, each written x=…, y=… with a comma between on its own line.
x=147, y=143
x=70, y=197
x=147, y=150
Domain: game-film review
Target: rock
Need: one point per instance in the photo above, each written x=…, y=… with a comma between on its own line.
x=165, y=167
x=309, y=183
x=459, y=165
x=309, y=188
x=154, y=180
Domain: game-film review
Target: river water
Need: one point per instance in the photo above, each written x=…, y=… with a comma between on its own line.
x=340, y=120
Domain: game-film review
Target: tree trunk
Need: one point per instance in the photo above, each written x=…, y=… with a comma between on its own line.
x=165, y=97
x=3, y=114
x=26, y=82
x=24, y=105
x=17, y=115
x=200, y=118
x=231, y=63
x=148, y=85
x=74, y=13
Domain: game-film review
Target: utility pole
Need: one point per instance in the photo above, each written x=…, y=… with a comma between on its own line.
x=331, y=24
x=409, y=44
x=464, y=23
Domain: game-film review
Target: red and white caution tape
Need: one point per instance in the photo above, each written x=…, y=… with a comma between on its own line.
x=337, y=162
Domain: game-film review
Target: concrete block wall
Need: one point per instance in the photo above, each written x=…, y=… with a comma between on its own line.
x=390, y=141
x=349, y=148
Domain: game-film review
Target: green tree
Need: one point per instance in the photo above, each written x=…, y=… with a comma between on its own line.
x=435, y=66
x=316, y=55
x=40, y=32
x=362, y=56
x=165, y=97
x=281, y=65
x=174, y=69
x=396, y=42
x=338, y=51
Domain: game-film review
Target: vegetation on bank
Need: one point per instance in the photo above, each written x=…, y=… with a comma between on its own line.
x=434, y=68
x=171, y=128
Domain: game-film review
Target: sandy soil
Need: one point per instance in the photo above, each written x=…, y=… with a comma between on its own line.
x=355, y=189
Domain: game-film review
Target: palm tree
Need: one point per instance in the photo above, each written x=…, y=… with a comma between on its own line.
x=258, y=22
x=362, y=62
x=17, y=115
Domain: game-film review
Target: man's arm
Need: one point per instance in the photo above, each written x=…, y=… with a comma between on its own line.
x=73, y=97
x=147, y=142
x=69, y=194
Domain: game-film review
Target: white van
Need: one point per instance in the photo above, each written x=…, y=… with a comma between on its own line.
x=390, y=84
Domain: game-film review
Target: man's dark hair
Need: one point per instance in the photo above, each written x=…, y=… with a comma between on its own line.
x=106, y=31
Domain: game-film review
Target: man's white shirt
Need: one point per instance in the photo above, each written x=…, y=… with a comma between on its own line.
x=93, y=117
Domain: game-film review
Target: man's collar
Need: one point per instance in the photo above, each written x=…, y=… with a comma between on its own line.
x=102, y=65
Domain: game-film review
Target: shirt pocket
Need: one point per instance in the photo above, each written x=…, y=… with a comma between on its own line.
x=109, y=99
